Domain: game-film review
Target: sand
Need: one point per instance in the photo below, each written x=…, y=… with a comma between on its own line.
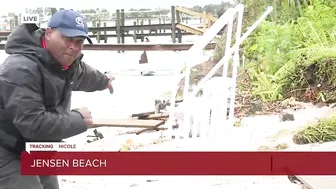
x=255, y=133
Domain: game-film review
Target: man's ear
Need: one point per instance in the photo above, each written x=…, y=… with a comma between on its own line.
x=48, y=33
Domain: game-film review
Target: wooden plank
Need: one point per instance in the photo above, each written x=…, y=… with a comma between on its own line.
x=135, y=123
x=139, y=47
x=152, y=129
x=5, y=33
x=143, y=114
x=194, y=30
x=318, y=182
x=155, y=116
x=194, y=13
x=190, y=29
x=132, y=27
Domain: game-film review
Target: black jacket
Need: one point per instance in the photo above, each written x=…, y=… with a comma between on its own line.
x=35, y=92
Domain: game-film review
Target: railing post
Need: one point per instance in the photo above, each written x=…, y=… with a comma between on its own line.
x=235, y=65
x=189, y=97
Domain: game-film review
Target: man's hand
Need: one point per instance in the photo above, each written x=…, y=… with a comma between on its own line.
x=85, y=112
x=109, y=86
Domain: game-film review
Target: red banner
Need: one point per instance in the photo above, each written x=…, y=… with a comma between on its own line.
x=178, y=163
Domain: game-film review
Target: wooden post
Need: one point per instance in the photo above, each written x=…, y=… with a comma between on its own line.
x=137, y=23
x=160, y=23
x=142, y=32
x=173, y=26
x=204, y=19
x=149, y=23
x=135, y=32
x=16, y=21
x=105, y=33
x=122, y=24
x=179, y=33
x=98, y=33
x=209, y=21
x=164, y=22
x=118, y=25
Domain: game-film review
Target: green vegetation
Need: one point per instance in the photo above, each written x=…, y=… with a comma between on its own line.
x=322, y=131
x=293, y=52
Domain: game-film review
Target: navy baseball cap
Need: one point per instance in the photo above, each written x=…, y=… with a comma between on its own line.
x=70, y=23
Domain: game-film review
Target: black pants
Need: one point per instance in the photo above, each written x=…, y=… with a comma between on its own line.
x=10, y=176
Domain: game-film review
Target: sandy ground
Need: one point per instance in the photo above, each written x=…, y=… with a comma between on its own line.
x=255, y=133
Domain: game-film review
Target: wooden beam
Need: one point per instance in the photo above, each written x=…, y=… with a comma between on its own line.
x=132, y=27
x=5, y=34
x=4, y=38
x=114, y=28
x=204, y=21
x=193, y=13
x=190, y=29
x=139, y=47
x=158, y=116
x=135, y=123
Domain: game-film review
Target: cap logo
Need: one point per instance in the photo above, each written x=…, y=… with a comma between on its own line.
x=80, y=22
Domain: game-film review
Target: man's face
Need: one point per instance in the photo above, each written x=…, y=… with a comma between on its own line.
x=64, y=49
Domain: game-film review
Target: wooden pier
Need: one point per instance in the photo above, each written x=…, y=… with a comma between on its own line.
x=177, y=28
x=138, y=47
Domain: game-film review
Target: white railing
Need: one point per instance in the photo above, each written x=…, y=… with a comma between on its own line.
x=208, y=112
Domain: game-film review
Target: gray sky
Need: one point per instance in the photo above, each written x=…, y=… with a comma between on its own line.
x=20, y=5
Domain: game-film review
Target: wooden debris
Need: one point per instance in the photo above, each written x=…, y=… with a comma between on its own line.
x=161, y=105
x=137, y=123
x=148, y=120
x=155, y=116
x=143, y=58
x=158, y=116
x=142, y=114
x=151, y=129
